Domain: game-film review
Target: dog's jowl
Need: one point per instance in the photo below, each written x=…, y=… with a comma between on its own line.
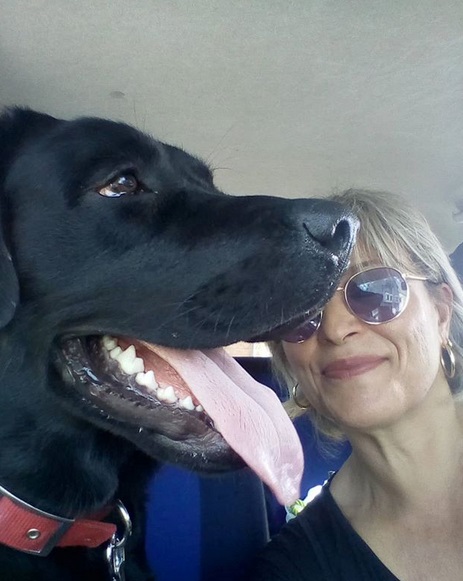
x=123, y=270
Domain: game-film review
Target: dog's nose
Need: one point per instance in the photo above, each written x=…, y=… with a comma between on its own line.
x=332, y=235
x=331, y=225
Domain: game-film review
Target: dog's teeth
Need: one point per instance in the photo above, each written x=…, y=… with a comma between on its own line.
x=199, y=408
x=114, y=353
x=139, y=365
x=130, y=353
x=126, y=360
x=109, y=342
x=130, y=367
x=147, y=380
x=167, y=394
x=187, y=403
x=140, y=378
x=151, y=382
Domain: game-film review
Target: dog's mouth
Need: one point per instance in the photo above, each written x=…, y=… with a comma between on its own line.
x=201, y=404
x=126, y=369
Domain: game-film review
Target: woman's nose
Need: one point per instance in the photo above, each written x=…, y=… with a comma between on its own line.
x=338, y=323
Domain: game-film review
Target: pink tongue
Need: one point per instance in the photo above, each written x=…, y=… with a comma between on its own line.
x=248, y=414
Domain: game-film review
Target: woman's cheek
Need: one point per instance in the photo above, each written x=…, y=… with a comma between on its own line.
x=297, y=355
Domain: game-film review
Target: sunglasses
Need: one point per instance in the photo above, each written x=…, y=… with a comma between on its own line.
x=375, y=295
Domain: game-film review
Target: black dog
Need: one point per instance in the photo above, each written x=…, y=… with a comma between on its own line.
x=116, y=251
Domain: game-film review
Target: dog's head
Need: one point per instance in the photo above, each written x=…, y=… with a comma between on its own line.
x=117, y=251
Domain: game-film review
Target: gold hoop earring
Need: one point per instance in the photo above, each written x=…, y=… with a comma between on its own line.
x=447, y=359
x=296, y=401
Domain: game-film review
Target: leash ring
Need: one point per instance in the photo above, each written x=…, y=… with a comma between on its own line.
x=127, y=523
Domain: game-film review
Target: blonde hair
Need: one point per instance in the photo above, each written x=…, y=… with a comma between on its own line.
x=400, y=236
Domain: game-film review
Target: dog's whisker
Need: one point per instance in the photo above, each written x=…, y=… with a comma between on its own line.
x=168, y=322
x=217, y=320
x=215, y=149
x=232, y=320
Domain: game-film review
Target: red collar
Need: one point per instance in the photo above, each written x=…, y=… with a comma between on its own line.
x=31, y=530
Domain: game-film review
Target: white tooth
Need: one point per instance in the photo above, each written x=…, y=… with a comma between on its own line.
x=126, y=360
x=130, y=352
x=199, y=408
x=139, y=365
x=169, y=394
x=114, y=353
x=151, y=382
x=146, y=379
x=140, y=378
x=187, y=403
x=109, y=342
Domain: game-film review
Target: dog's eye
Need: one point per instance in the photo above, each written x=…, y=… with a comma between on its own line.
x=120, y=186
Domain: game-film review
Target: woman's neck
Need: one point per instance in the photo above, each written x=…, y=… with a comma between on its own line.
x=415, y=463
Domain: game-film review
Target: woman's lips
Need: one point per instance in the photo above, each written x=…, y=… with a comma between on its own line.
x=346, y=368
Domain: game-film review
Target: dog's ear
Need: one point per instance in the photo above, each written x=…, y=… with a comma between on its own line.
x=17, y=126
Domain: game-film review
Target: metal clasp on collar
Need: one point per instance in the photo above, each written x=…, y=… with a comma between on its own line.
x=115, y=551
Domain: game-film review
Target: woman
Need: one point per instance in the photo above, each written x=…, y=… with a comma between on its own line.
x=381, y=365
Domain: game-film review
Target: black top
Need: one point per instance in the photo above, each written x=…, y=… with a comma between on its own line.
x=319, y=545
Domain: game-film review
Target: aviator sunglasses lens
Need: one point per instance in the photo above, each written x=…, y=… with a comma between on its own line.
x=303, y=331
x=377, y=295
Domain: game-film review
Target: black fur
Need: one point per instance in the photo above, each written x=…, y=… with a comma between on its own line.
x=175, y=262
